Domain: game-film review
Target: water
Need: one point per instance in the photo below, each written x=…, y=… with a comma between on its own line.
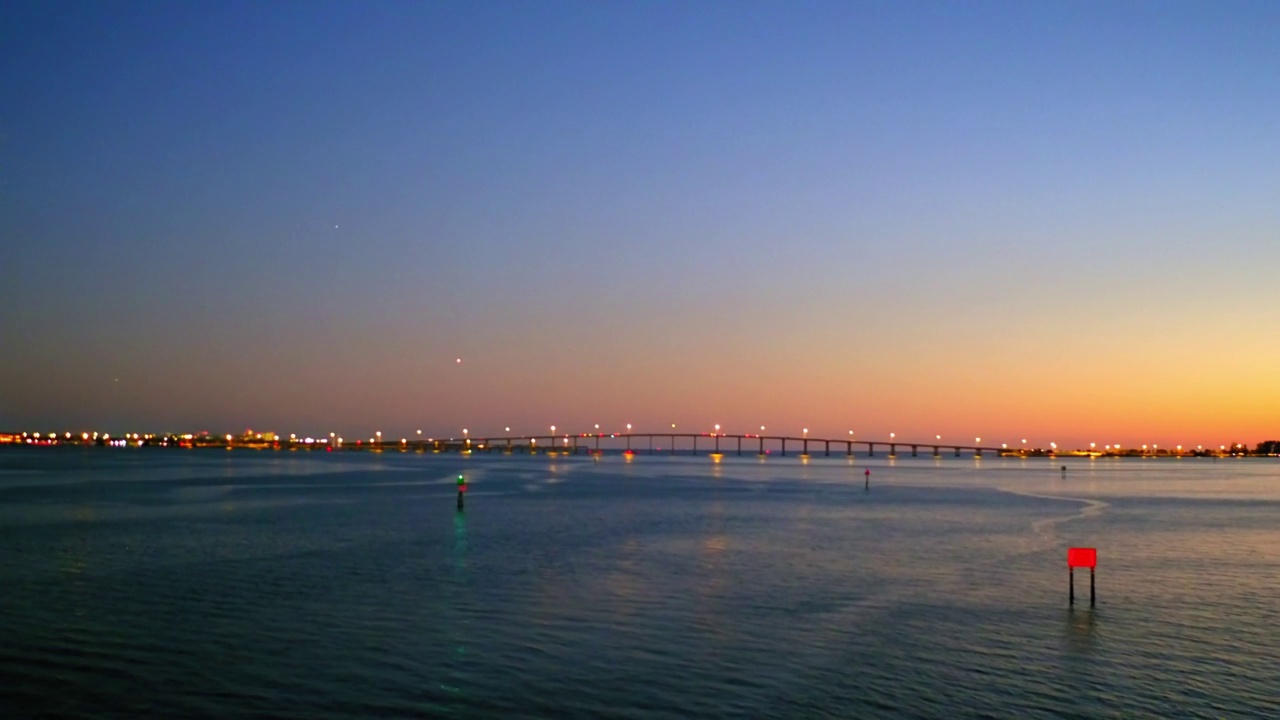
x=345, y=585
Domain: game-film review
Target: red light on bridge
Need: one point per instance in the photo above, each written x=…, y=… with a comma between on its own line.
x=1082, y=557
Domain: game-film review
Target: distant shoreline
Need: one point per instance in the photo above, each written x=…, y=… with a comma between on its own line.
x=530, y=446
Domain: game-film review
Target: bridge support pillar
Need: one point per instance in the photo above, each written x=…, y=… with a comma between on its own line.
x=957, y=452
x=784, y=447
x=915, y=451
x=828, y=450
x=893, y=451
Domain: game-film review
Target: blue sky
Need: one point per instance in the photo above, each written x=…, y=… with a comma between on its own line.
x=301, y=214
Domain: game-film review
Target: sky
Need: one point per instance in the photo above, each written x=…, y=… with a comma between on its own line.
x=1055, y=220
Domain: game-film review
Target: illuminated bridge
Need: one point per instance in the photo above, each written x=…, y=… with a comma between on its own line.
x=673, y=443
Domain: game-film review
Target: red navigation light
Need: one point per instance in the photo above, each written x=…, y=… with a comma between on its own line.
x=1082, y=557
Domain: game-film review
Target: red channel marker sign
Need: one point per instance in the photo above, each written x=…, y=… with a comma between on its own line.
x=1082, y=557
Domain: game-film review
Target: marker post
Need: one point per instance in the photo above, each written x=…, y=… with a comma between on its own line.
x=1081, y=557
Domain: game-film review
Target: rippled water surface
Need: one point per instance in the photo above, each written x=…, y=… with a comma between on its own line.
x=345, y=585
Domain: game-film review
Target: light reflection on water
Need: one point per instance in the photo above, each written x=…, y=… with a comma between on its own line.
x=348, y=586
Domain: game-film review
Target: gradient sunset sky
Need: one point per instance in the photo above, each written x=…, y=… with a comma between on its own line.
x=1048, y=220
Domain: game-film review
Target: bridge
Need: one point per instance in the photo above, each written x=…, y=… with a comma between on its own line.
x=670, y=442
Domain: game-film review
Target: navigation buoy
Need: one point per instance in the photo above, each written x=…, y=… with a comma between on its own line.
x=462, y=492
x=867, y=484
